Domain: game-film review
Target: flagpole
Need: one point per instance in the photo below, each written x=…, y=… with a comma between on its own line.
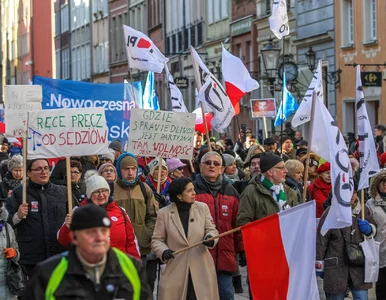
x=282, y=107
x=311, y=129
x=264, y=118
x=363, y=204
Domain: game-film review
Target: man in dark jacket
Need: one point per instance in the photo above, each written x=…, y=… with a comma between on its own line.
x=222, y=199
x=38, y=220
x=91, y=269
x=379, y=134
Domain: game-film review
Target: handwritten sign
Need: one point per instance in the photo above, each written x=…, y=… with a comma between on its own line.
x=19, y=100
x=161, y=133
x=67, y=132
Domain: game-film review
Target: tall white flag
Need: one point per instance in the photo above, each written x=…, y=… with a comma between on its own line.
x=303, y=113
x=213, y=94
x=178, y=104
x=142, y=54
x=327, y=141
x=368, y=161
x=278, y=21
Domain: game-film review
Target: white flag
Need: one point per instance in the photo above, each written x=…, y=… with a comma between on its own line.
x=142, y=54
x=327, y=141
x=213, y=94
x=303, y=113
x=178, y=104
x=278, y=21
x=368, y=161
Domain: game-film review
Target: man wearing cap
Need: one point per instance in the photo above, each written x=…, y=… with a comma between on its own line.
x=222, y=199
x=38, y=220
x=265, y=194
x=286, y=147
x=137, y=199
x=91, y=269
x=270, y=145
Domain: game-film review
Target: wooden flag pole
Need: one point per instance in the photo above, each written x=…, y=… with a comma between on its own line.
x=159, y=174
x=69, y=188
x=24, y=190
x=208, y=240
x=206, y=126
x=265, y=126
x=363, y=204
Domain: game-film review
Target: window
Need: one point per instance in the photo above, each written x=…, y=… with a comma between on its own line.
x=210, y=11
x=268, y=7
x=65, y=64
x=180, y=41
x=64, y=19
x=57, y=23
x=186, y=40
x=193, y=36
x=57, y=63
x=370, y=20
x=347, y=23
x=114, y=53
x=224, y=9
x=199, y=34
x=216, y=10
x=25, y=44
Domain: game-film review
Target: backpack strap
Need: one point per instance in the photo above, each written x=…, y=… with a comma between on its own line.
x=143, y=190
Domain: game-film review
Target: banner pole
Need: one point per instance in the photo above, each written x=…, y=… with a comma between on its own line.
x=363, y=204
x=159, y=174
x=24, y=190
x=265, y=126
x=69, y=188
x=208, y=240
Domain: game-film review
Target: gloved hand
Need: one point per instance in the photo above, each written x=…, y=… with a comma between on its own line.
x=160, y=199
x=9, y=252
x=209, y=243
x=167, y=254
x=242, y=259
x=364, y=227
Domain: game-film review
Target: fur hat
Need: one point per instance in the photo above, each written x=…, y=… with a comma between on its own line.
x=377, y=180
x=89, y=216
x=154, y=164
x=95, y=182
x=15, y=162
x=268, y=160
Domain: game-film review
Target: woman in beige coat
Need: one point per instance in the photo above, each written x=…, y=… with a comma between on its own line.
x=190, y=274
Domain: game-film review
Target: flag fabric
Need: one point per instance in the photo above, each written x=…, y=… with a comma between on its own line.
x=280, y=251
x=178, y=104
x=327, y=141
x=150, y=99
x=287, y=106
x=237, y=79
x=278, y=21
x=142, y=54
x=213, y=94
x=199, y=125
x=368, y=161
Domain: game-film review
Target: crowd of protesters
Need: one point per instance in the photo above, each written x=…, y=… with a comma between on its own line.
x=132, y=213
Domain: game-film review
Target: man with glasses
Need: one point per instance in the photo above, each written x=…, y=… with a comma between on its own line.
x=214, y=190
x=38, y=220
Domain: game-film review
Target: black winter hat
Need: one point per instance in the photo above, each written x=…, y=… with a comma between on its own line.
x=268, y=160
x=269, y=141
x=116, y=145
x=31, y=161
x=89, y=216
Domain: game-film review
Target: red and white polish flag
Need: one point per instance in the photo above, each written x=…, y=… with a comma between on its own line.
x=237, y=79
x=280, y=251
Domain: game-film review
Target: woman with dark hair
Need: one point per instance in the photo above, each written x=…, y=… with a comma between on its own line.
x=180, y=225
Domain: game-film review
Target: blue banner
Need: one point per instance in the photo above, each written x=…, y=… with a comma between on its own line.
x=117, y=99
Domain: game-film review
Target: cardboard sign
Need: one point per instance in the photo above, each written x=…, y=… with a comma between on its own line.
x=263, y=108
x=67, y=132
x=161, y=133
x=19, y=100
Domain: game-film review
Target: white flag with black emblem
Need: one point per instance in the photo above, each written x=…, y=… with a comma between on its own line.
x=278, y=21
x=368, y=161
x=178, y=104
x=327, y=141
x=213, y=94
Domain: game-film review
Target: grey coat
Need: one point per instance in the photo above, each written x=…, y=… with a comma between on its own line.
x=331, y=249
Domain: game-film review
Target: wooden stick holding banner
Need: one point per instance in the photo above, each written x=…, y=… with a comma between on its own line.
x=265, y=126
x=310, y=132
x=208, y=240
x=24, y=191
x=363, y=204
x=69, y=187
x=159, y=174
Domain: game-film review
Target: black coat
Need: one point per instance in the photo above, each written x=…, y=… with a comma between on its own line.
x=8, y=183
x=76, y=283
x=37, y=233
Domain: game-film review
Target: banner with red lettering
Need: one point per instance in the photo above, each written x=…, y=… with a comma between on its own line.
x=67, y=132
x=161, y=133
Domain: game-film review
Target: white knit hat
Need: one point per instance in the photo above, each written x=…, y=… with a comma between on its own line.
x=109, y=155
x=94, y=183
x=154, y=164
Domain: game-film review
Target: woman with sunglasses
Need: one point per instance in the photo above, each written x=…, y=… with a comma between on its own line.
x=175, y=167
x=190, y=274
x=121, y=231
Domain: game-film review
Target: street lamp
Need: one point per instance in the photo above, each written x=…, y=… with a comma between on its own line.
x=270, y=55
x=329, y=77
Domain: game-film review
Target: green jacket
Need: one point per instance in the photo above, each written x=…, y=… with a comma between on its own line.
x=142, y=215
x=256, y=202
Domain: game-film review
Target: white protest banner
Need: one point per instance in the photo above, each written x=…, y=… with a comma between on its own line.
x=19, y=100
x=67, y=132
x=161, y=133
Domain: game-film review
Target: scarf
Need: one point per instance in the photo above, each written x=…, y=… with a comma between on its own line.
x=233, y=177
x=213, y=187
x=276, y=190
x=11, y=182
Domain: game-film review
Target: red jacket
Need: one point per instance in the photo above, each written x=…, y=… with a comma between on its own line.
x=319, y=191
x=121, y=231
x=224, y=210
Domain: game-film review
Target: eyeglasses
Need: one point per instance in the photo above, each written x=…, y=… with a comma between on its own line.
x=105, y=159
x=100, y=192
x=75, y=172
x=41, y=169
x=108, y=171
x=214, y=163
x=249, y=132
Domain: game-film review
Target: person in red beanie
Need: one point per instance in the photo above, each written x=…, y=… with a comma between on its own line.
x=321, y=187
x=382, y=160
